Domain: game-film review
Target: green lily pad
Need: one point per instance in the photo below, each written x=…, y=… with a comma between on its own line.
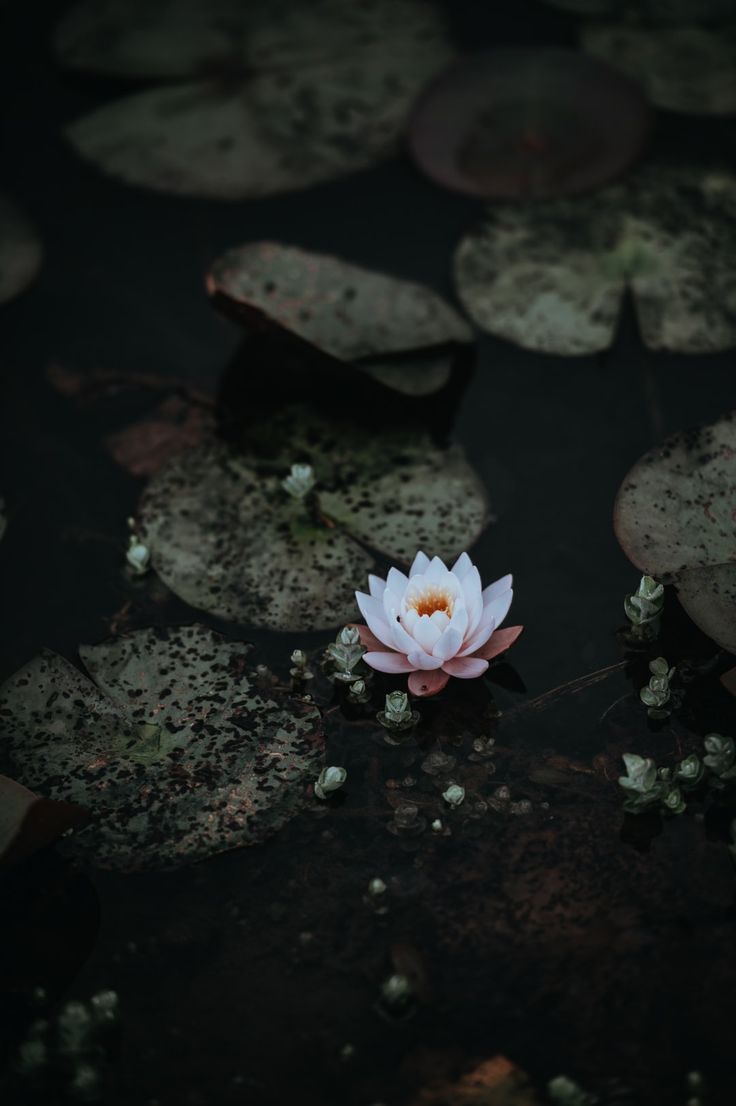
x=170, y=745
x=687, y=69
x=226, y=537
x=20, y=251
x=551, y=277
x=278, y=97
x=342, y=309
x=675, y=519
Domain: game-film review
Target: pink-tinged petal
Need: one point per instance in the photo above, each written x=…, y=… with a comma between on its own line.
x=391, y=604
x=498, y=587
x=419, y=659
x=473, y=595
x=372, y=612
x=420, y=564
x=402, y=640
x=498, y=607
x=459, y=620
x=499, y=642
x=449, y=644
x=462, y=566
x=437, y=571
x=397, y=581
x=465, y=668
x=426, y=633
x=376, y=586
x=388, y=662
x=480, y=637
x=367, y=638
x=427, y=683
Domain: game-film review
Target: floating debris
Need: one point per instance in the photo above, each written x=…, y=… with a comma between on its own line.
x=406, y=821
x=299, y=482
x=329, y=780
x=454, y=795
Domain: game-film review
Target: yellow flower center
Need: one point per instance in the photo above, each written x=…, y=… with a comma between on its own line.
x=432, y=599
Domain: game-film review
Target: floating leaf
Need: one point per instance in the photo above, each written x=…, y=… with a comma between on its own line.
x=523, y=123
x=173, y=748
x=675, y=518
x=688, y=69
x=279, y=97
x=144, y=446
x=227, y=538
x=344, y=310
x=552, y=276
x=29, y=823
x=20, y=251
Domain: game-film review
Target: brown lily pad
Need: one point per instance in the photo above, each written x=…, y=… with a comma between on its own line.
x=551, y=277
x=299, y=567
x=277, y=97
x=144, y=446
x=29, y=823
x=528, y=123
x=170, y=744
x=21, y=252
x=686, y=69
x=675, y=518
x=344, y=310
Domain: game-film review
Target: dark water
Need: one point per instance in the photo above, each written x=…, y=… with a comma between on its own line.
x=568, y=939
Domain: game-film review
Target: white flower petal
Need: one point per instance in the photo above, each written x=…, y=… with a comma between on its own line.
x=391, y=604
x=401, y=638
x=479, y=637
x=448, y=644
x=372, y=612
x=426, y=632
x=459, y=620
x=473, y=595
x=498, y=607
x=436, y=572
x=462, y=566
x=465, y=668
x=397, y=581
x=388, y=662
x=440, y=620
x=498, y=587
x=376, y=586
x=420, y=564
x=420, y=659
x=409, y=619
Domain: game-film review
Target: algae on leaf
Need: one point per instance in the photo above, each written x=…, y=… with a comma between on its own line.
x=552, y=276
x=674, y=517
x=170, y=745
x=226, y=537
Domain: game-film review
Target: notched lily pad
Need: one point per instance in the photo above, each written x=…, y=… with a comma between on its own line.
x=29, y=822
x=20, y=251
x=344, y=310
x=675, y=517
x=686, y=69
x=552, y=277
x=277, y=97
x=226, y=536
x=170, y=745
x=528, y=123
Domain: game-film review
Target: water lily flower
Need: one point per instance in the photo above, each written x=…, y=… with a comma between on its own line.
x=435, y=623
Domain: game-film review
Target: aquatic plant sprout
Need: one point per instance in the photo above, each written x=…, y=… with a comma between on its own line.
x=435, y=623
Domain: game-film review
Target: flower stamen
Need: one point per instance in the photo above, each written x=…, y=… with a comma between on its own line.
x=432, y=599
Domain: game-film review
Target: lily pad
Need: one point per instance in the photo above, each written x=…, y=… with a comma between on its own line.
x=170, y=745
x=675, y=519
x=20, y=251
x=551, y=277
x=687, y=69
x=528, y=123
x=226, y=537
x=278, y=97
x=344, y=310
x=29, y=823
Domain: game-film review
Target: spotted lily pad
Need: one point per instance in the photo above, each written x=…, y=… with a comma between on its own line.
x=20, y=251
x=552, y=277
x=687, y=69
x=675, y=517
x=272, y=97
x=523, y=123
x=170, y=745
x=226, y=536
x=342, y=309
